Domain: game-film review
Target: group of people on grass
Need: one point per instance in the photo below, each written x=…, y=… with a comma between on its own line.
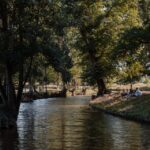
x=137, y=92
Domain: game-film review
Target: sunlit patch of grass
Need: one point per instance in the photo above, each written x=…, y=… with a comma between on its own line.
x=138, y=107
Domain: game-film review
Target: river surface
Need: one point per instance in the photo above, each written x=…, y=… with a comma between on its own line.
x=69, y=124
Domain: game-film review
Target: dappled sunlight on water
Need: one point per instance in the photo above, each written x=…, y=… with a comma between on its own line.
x=68, y=124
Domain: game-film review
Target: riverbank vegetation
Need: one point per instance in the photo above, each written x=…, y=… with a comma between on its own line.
x=132, y=108
x=72, y=42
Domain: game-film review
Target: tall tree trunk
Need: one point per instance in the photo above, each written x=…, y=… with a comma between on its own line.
x=22, y=80
x=131, y=86
x=8, y=111
x=3, y=93
x=11, y=94
x=101, y=87
x=64, y=90
x=93, y=60
x=20, y=86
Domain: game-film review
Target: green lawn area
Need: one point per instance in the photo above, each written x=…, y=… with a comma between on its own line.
x=133, y=107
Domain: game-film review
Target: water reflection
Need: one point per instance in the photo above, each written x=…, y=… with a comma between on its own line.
x=96, y=133
x=145, y=136
x=68, y=124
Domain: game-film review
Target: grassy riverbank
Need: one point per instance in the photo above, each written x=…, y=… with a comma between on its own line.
x=133, y=108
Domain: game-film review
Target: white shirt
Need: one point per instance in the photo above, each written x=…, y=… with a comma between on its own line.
x=138, y=93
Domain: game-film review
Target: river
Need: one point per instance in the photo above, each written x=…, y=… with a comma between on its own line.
x=69, y=124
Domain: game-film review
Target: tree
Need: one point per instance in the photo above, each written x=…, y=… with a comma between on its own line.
x=100, y=24
x=130, y=72
x=26, y=30
x=133, y=46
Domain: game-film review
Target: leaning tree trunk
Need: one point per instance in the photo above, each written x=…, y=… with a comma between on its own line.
x=11, y=100
x=9, y=110
x=101, y=87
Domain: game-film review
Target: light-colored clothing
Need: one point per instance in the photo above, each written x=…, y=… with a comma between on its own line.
x=138, y=93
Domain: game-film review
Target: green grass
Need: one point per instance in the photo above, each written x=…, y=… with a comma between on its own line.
x=137, y=107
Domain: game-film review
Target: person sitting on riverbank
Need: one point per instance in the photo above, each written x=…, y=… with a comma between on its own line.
x=131, y=92
x=137, y=92
x=125, y=93
x=128, y=93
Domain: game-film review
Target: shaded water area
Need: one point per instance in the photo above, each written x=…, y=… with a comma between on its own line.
x=68, y=124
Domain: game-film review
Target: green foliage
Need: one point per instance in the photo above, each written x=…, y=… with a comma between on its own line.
x=131, y=73
x=30, y=29
x=100, y=26
x=133, y=46
x=33, y=29
x=46, y=34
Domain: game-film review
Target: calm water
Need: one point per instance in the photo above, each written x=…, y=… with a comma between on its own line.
x=68, y=124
